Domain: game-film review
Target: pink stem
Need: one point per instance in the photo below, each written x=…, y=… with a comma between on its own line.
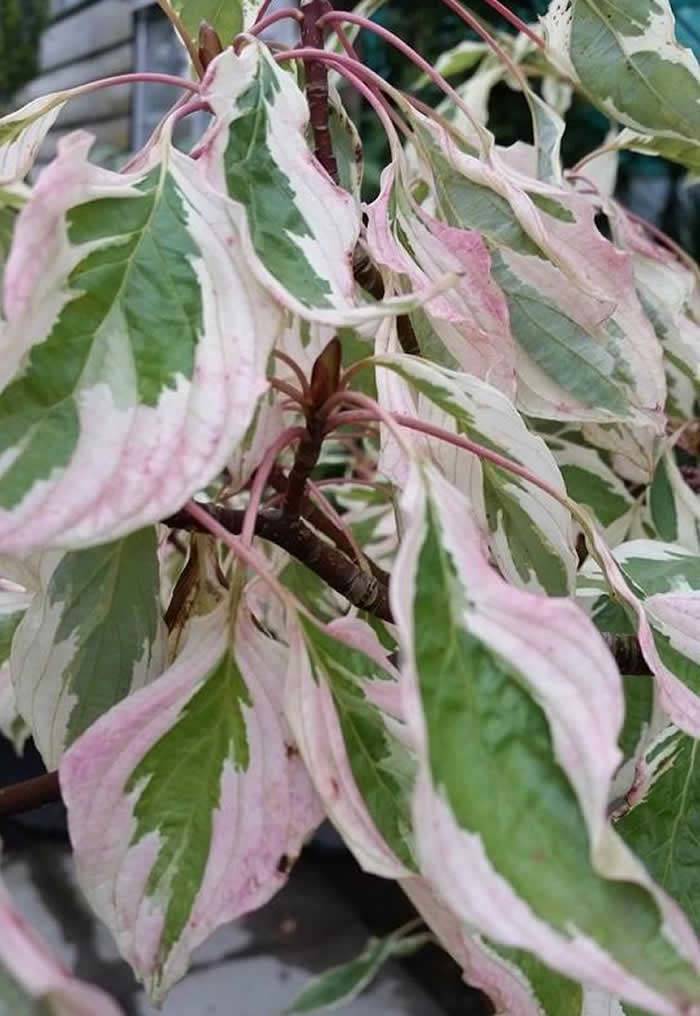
x=294, y=367
x=263, y=11
x=262, y=475
x=248, y=555
x=329, y=511
x=662, y=237
x=289, y=390
x=354, y=72
x=272, y=19
x=364, y=402
x=145, y=77
x=195, y=106
x=477, y=27
x=505, y=12
x=408, y=51
x=412, y=423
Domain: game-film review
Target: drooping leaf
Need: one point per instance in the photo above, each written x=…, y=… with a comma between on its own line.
x=673, y=507
x=342, y=704
x=22, y=133
x=516, y=706
x=92, y=636
x=123, y=390
x=668, y=290
x=587, y=351
x=590, y=481
x=188, y=802
x=33, y=982
x=663, y=826
x=13, y=605
x=513, y=980
x=629, y=63
x=470, y=320
x=341, y=985
x=661, y=604
x=299, y=230
x=12, y=199
x=530, y=534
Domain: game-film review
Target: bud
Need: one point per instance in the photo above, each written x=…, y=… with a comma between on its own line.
x=209, y=44
x=325, y=375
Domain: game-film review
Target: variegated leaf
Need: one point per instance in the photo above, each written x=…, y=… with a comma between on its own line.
x=586, y=349
x=33, y=982
x=530, y=534
x=298, y=229
x=662, y=824
x=674, y=509
x=514, y=981
x=123, y=390
x=13, y=605
x=92, y=635
x=342, y=704
x=590, y=481
x=628, y=62
x=22, y=133
x=12, y=199
x=188, y=802
x=668, y=290
x=471, y=320
x=516, y=705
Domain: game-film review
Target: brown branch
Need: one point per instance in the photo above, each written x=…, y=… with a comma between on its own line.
x=361, y=588
x=320, y=521
x=28, y=795
x=317, y=84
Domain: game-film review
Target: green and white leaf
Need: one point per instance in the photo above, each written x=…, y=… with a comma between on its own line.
x=662, y=824
x=629, y=63
x=298, y=229
x=663, y=583
x=590, y=481
x=344, y=707
x=674, y=509
x=22, y=134
x=123, y=390
x=188, y=802
x=13, y=605
x=530, y=534
x=341, y=985
x=517, y=745
x=92, y=635
x=12, y=200
x=586, y=349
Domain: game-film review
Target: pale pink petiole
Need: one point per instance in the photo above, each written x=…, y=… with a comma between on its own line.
x=262, y=475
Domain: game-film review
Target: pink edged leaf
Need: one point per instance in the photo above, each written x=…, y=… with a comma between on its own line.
x=530, y=534
x=188, y=803
x=653, y=589
x=122, y=390
x=470, y=321
x=67, y=666
x=513, y=980
x=22, y=133
x=32, y=981
x=299, y=230
x=341, y=703
x=515, y=705
x=585, y=347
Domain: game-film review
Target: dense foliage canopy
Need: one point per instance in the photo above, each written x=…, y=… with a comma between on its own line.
x=380, y=512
